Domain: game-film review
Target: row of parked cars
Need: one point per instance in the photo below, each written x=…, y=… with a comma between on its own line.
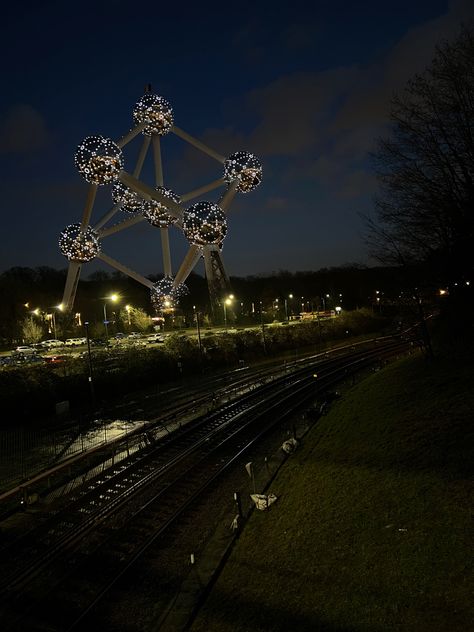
x=52, y=344
x=47, y=345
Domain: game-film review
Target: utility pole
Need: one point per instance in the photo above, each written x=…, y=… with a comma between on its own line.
x=263, y=329
x=91, y=374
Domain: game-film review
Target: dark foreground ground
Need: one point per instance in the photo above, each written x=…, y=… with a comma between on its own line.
x=371, y=530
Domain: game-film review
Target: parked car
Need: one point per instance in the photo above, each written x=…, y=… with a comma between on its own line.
x=24, y=351
x=98, y=342
x=56, y=359
x=119, y=336
x=155, y=338
x=51, y=344
x=29, y=359
x=134, y=335
x=75, y=342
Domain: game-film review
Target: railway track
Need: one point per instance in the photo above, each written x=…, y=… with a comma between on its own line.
x=110, y=523
x=159, y=415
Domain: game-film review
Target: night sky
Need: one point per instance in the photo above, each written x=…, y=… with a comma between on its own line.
x=304, y=86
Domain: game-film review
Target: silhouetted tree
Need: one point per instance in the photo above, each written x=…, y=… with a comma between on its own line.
x=425, y=208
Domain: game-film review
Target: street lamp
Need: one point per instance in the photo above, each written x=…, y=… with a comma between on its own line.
x=228, y=301
x=114, y=298
x=263, y=328
x=290, y=296
x=91, y=373
x=196, y=316
x=51, y=320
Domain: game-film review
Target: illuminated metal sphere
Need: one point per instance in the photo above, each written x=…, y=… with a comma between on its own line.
x=204, y=223
x=79, y=246
x=246, y=167
x=162, y=294
x=157, y=213
x=180, y=290
x=156, y=112
x=130, y=201
x=99, y=160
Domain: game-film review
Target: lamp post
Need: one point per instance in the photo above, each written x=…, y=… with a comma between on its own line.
x=196, y=316
x=52, y=317
x=228, y=301
x=91, y=374
x=290, y=296
x=263, y=328
x=114, y=298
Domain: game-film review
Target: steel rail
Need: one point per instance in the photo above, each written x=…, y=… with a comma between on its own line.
x=279, y=383
x=304, y=392
x=204, y=421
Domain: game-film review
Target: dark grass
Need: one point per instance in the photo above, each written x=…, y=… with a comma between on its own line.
x=372, y=527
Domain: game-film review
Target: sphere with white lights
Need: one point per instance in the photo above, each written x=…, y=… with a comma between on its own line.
x=129, y=201
x=77, y=245
x=244, y=167
x=180, y=290
x=99, y=160
x=164, y=295
x=204, y=224
x=156, y=212
x=156, y=112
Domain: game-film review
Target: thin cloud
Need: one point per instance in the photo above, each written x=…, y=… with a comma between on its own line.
x=23, y=131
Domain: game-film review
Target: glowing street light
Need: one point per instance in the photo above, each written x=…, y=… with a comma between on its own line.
x=286, y=307
x=228, y=301
x=114, y=298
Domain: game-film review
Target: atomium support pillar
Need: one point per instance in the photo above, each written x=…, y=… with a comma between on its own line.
x=189, y=262
x=165, y=239
x=86, y=216
x=125, y=270
x=149, y=193
x=70, y=289
x=217, y=280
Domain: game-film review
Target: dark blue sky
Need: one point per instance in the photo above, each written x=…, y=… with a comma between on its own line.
x=305, y=86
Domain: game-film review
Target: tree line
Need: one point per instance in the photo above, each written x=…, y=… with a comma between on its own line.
x=279, y=295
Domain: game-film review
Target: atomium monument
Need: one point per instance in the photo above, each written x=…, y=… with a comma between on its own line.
x=100, y=161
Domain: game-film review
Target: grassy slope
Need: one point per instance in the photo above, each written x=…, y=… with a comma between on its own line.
x=371, y=529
